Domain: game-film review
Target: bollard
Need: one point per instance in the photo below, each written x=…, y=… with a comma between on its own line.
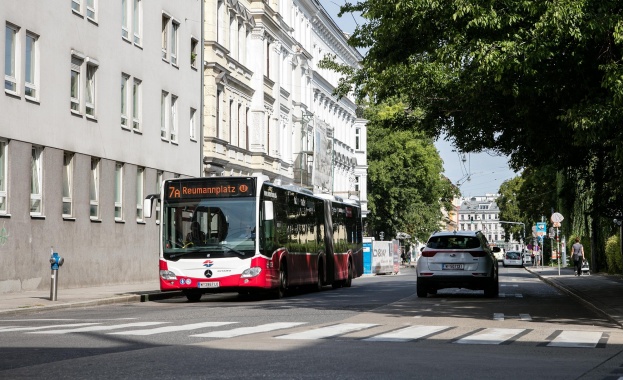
x=55, y=261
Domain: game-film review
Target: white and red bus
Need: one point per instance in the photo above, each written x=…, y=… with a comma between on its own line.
x=246, y=235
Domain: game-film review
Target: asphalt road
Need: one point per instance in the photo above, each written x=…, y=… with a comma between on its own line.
x=376, y=329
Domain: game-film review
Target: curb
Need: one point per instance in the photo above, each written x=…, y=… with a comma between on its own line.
x=129, y=298
x=582, y=300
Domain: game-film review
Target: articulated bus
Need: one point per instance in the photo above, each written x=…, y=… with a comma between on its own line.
x=247, y=235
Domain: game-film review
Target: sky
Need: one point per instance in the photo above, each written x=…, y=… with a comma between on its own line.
x=474, y=173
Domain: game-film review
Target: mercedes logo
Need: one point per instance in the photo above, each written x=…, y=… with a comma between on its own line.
x=208, y=273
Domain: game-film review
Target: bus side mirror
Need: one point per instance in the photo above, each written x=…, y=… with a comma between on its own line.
x=148, y=204
x=268, y=210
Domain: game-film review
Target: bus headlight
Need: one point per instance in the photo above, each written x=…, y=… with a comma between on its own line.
x=251, y=272
x=167, y=275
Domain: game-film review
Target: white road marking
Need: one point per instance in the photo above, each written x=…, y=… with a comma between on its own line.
x=249, y=330
x=98, y=328
x=490, y=336
x=329, y=331
x=576, y=339
x=407, y=334
x=166, y=329
x=46, y=327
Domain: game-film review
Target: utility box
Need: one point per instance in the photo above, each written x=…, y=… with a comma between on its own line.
x=367, y=255
x=383, y=257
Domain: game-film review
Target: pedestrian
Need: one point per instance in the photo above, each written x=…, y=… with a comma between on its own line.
x=577, y=253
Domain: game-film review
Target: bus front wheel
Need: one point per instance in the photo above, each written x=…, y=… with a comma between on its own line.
x=193, y=295
x=283, y=282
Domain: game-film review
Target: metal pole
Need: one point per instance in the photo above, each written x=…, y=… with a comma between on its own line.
x=558, y=249
x=54, y=285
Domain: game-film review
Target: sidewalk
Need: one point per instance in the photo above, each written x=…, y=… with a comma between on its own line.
x=39, y=300
x=600, y=292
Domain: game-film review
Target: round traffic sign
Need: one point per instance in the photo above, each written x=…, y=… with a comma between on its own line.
x=557, y=217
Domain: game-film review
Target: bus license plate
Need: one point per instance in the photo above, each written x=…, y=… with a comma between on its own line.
x=213, y=284
x=453, y=266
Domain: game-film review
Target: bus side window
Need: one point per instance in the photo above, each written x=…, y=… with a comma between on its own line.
x=267, y=236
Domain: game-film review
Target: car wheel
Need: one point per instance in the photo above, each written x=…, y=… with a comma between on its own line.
x=421, y=290
x=493, y=289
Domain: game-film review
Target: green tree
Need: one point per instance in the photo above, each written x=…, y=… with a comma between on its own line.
x=510, y=211
x=406, y=189
x=540, y=81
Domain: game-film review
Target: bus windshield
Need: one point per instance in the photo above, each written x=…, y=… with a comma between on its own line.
x=215, y=227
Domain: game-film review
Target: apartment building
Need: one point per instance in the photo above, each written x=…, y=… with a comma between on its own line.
x=102, y=101
x=269, y=108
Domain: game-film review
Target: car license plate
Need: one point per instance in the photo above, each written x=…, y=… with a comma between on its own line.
x=213, y=284
x=453, y=266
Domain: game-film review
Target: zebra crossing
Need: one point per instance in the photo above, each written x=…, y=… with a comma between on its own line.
x=403, y=334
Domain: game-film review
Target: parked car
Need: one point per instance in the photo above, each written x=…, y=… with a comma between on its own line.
x=458, y=259
x=499, y=255
x=527, y=257
x=512, y=258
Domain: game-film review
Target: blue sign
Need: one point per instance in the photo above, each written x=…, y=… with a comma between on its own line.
x=541, y=228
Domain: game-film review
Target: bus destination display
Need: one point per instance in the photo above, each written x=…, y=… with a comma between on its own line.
x=181, y=189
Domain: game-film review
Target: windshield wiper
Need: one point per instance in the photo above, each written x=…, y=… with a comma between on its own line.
x=233, y=249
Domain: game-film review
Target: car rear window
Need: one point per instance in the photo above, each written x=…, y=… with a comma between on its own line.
x=513, y=255
x=453, y=242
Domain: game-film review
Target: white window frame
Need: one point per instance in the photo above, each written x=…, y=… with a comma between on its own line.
x=68, y=174
x=193, y=124
x=92, y=10
x=136, y=104
x=159, y=177
x=125, y=20
x=173, y=119
x=118, y=191
x=125, y=79
x=194, y=55
x=90, y=88
x=164, y=115
x=11, y=49
x=137, y=21
x=140, y=193
x=76, y=68
x=3, y=175
x=94, y=189
x=166, y=19
x=31, y=87
x=36, y=181
x=76, y=6
x=175, y=26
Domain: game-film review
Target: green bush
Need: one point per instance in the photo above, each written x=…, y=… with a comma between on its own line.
x=613, y=255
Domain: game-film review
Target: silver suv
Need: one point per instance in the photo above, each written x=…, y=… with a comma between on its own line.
x=459, y=259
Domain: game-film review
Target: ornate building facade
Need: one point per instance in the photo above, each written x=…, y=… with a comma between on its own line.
x=269, y=108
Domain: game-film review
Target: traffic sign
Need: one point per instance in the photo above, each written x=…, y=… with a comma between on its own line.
x=541, y=228
x=557, y=217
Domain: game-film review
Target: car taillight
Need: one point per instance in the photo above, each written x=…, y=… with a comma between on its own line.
x=428, y=253
x=478, y=254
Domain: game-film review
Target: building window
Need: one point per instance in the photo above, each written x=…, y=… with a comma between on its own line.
x=67, y=184
x=357, y=138
x=140, y=193
x=193, y=124
x=94, y=185
x=36, y=196
x=165, y=39
x=76, y=63
x=31, y=67
x=194, y=43
x=124, y=100
x=159, y=176
x=118, y=191
x=356, y=183
x=75, y=5
x=3, y=176
x=125, y=21
x=136, y=105
x=91, y=9
x=219, y=98
x=89, y=93
x=174, y=28
x=10, y=58
x=137, y=21
x=164, y=121
x=173, y=116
